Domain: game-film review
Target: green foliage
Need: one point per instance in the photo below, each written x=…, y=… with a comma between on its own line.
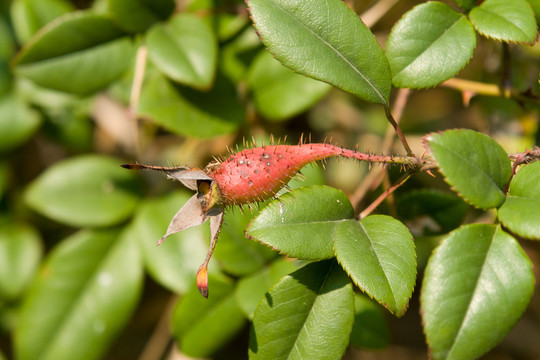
x=463, y=320
x=339, y=53
x=430, y=44
x=473, y=164
x=87, y=86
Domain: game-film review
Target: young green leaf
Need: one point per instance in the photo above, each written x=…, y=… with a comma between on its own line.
x=303, y=222
x=20, y=253
x=280, y=93
x=509, y=21
x=138, y=15
x=521, y=210
x=185, y=49
x=17, y=123
x=370, y=330
x=88, y=190
x=477, y=284
x=473, y=164
x=187, y=112
x=378, y=254
x=201, y=326
x=174, y=263
x=305, y=36
x=430, y=44
x=251, y=289
x=85, y=293
x=307, y=315
x=85, y=48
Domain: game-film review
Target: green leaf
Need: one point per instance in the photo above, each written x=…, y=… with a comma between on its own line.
x=430, y=44
x=506, y=21
x=87, y=49
x=251, y=289
x=446, y=209
x=87, y=190
x=237, y=55
x=139, y=15
x=303, y=222
x=473, y=164
x=466, y=4
x=278, y=92
x=370, y=330
x=187, y=112
x=378, y=254
x=185, y=49
x=236, y=254
x=324, y=40
x=29, y=16
x=521, y=210
x=174, y=263
x=477, y=284
x=17, y=122
x=20, y=254
x=85, y=294
x=307, y=315
x=202, y=326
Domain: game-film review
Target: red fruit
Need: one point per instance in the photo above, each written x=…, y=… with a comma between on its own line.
x=256, y=174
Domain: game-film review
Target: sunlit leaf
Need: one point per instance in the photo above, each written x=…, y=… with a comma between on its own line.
x=429, y=44
x=473, y=164
x=521, y=211
x=307, y=315
x=507, y=21
x=378, y=254
x=343, y=53
x=303, y=222
x=476, y=286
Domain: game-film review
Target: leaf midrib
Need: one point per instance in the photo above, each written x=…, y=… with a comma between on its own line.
x=347, y=61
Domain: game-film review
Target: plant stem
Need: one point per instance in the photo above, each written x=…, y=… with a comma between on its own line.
x=138, y=78
x=398, y=132
x=368, y=210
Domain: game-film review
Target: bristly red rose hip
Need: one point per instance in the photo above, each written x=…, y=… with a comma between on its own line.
x=251, y=175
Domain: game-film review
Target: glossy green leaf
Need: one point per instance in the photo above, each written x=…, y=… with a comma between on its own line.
x=446, y=209
x=88, y=190
x=29, y=16
x=430, y=44
x=324, y=40
x=521, y=211
x=20, y=254
x=85, y=48
x=191, y=113
x=85, y=294
x=17, y=122
x=303, y=222
x=185, y=49
x=202, y=326
x=278, y=92
x=477, y=284
x=378, y=254
x=370, y=330
x=138, y=15
x=307, y=315
x=473, y=164
x=174, y=263
x=250, y=290
x=510, y=21
x=236, y=254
